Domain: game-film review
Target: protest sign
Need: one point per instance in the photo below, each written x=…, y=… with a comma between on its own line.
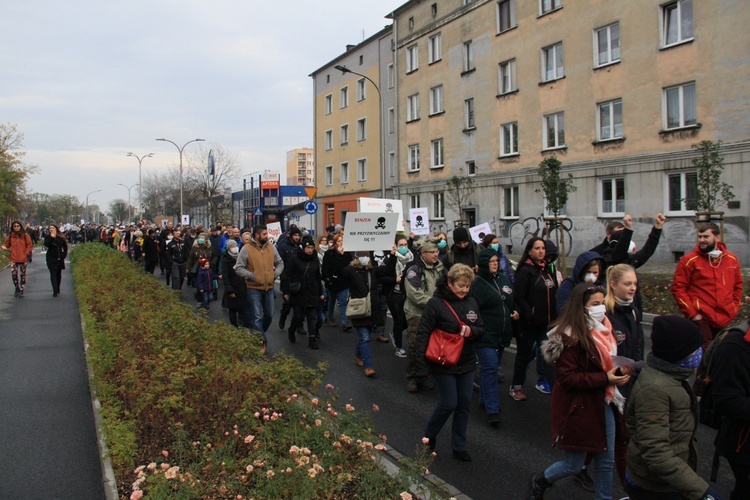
x=369, y=231
x=381, y=205
x=480, y=231
x=419, y=221
x=274, y=231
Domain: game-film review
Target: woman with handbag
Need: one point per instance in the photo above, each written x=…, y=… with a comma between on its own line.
x=57, y=250
x=364, y=303
x=390, y=274
x=301, y=286
x=453, y=315
x=335, y=261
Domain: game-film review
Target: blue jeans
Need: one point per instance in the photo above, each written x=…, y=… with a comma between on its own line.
x=363, y=346
x=206, y=302
x=489, y=362
x=605, y=462
x=261, y=310
x=455, y=398
x=342, y=297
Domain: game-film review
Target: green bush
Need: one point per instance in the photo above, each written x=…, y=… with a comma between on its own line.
x=194, y=410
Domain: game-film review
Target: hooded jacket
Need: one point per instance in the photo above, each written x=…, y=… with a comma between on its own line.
x=234, y=284
x=20, y=246
x=466, y=255
x=495, y=298
x=304, y=269
x=583, y=261
x=712, y=289
x=535, y=296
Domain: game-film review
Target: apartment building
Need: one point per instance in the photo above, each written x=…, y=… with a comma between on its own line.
x=354, y=123
x=618, y=90
x=300, y=167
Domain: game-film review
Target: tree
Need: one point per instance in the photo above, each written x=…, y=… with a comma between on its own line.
x=209, y=187
x=554, y=188
x=458, y=190
x=161, y=193
x=13, y=171
x=120, y=209
x=711, y=192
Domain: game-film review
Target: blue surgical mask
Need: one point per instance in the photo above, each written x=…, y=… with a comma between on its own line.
x=495, y=246
x=201, y=241
x=403, y=250
x=693, y=360
x=442, y=244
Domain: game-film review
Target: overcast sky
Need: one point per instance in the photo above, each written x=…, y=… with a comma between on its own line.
x=87, y=81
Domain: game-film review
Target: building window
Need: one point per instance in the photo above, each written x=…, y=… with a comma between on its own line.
x=362, y=129
x=414, y=201
x=682, y=193
x=412, y=107
x=680, y=106
x=506, y=15
x=434, y=10
x=391, y=121
x=436, y=154
x=329, y=175
x=344, y=97
x=361, y=94
x=414, y=158
x=676, y=22
x=471, y=168
x=344, y=135
x=434, y=49
x=510, y=202
x=509, y=139
x=607, y=45
x=554, y=131
x=609, y=120
x=328, y=104
x=329, y=140
x=468, y=57
x=436, y=100
x=552, y=62
x=548, y=212
x=345, y=173
x=438, y=205
x=391, y=164
x=469, y=119
x=362, y=170
x=507, y=77
x=412, y=58
x=390, y=76
x=613, y=197
x=548, y=6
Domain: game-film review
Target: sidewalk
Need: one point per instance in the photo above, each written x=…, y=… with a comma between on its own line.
x=47, y=433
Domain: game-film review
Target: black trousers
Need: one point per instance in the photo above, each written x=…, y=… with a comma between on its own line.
x=396, y=305
x=741, y=481
x=55, y=276
x=302, y=313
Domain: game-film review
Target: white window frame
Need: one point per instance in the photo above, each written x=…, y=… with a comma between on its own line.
x=470, y=117
x=612, y=50
x=612, y=130
x=391, y=120
x=501, y=11
x=415, y=201
x=548, y=213
x=510, y=147
x=683, y=111
x=437, y=153
x=413, y=158
x=435, y=48
x=344, y=97
x=329, y=140
x=553, y=54
x=391, y=164
x=344, y=134
x=506, y=77
x=329, y=175
x=344, y=172
x=412, y=58
x=412, y=107
x=685, y=30
x=436, y=100
x=362, y=170
x=617, y=197
x=511, y=201
x=361, y=90
x=547, y=6
x=684, y=210
x=328, y=104
x=362, y=129
x=471, y=168
x=438, y=205
x=556, y=121
x=390, y=76
x=468, y=56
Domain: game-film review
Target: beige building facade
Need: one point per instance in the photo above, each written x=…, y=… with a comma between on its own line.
x=300, y=167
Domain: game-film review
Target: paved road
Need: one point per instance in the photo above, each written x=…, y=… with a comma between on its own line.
x=47, y=435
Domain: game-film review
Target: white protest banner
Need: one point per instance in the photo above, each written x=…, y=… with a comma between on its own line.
x=419, y=221
x=383, y=205
x=369, y=231
x=274, y=231
x=482, y=229
x=185, y=220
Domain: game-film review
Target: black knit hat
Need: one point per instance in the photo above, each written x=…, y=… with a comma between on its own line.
x=307, y=241
x=461, y=234
x=674, y=338
x=295, y=230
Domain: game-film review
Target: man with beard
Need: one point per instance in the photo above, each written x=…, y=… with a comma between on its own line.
x=464, y=250
x=707, y=283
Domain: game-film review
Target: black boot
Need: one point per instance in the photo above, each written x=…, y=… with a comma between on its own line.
x=537, y=486
x=292, y=337
x=312, y=342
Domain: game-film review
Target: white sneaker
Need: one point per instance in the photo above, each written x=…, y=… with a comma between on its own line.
x=401, y=353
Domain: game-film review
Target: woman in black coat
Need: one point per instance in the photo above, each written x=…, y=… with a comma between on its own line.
x=235, y=289
x=57, y=250
x=335, y=260
x=456, y=383
x=304, y=268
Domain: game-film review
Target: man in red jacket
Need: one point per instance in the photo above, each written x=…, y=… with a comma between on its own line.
x=707, y=283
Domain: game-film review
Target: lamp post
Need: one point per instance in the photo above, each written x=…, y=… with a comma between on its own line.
x=140, y=181
x=181, y=149
x=87, y=212
x=130, y=207
x=344, y=69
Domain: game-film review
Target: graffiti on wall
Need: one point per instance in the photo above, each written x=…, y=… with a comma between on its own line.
x=521, y=231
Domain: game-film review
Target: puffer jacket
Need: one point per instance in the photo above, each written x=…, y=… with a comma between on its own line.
x=437, y=315
x=662, y=417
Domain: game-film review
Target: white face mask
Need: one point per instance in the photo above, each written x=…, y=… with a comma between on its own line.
x=597, y=312
x=590, y=278
x=715, y=254
x=234, y=251
x=364, y=260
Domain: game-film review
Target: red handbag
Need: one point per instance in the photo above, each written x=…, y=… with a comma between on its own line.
x=444, y=348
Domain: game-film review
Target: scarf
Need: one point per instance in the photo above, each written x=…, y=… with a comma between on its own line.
x=606, y=346
x=624, y=303
x=401, y=261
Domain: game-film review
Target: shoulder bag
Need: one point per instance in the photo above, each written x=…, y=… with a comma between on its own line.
x=296, y=286
x=444, y=348
x=361, y=307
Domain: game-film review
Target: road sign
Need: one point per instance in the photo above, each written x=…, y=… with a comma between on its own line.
x=258, y=212
x=311, y=207
x=311, y=192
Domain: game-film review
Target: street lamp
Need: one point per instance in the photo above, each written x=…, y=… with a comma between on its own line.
x=140, y=181
x=130, y=207
x=87, y=211
x=181, y=149
x=344, y=69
